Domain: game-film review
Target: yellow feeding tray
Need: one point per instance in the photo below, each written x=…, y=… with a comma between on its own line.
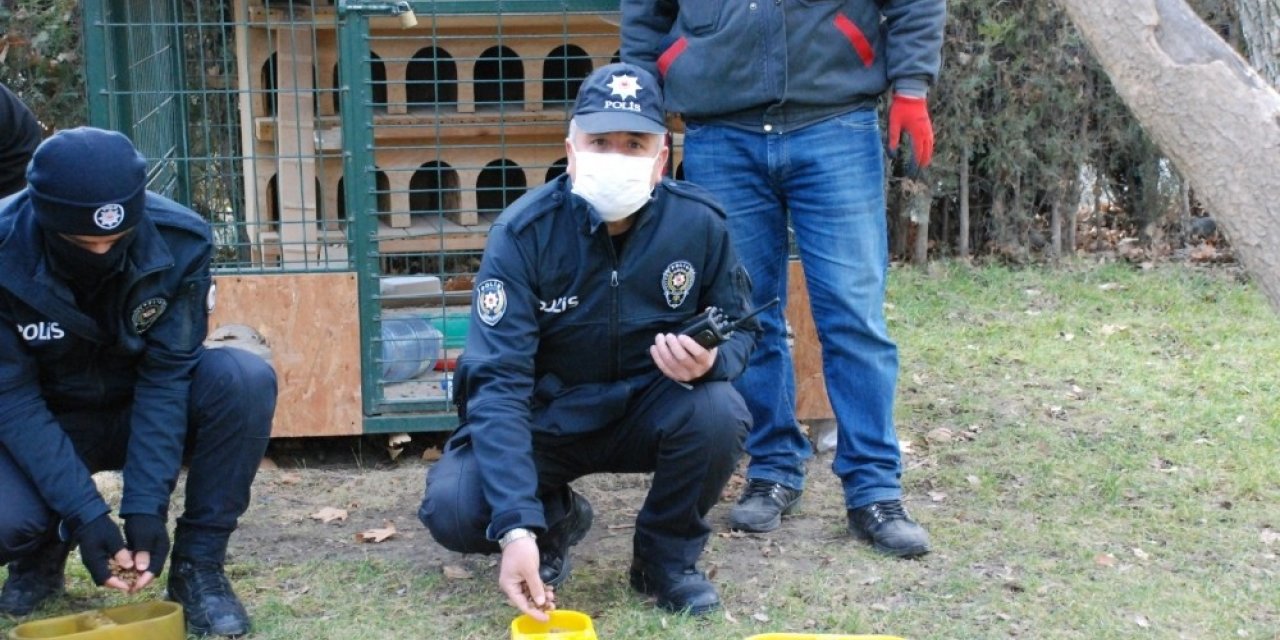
x=141, y=621
x=563, y=625
x=816, y=636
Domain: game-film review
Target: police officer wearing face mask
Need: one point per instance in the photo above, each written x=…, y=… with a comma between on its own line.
x=573, y=364
x=105, y=292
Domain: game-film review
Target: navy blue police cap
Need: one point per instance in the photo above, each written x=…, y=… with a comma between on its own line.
x=620, y=97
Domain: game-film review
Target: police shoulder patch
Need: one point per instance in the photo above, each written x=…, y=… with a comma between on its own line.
x=677, y=282
x=491, y=301
x=146, y=314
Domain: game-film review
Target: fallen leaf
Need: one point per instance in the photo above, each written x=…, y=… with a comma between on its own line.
x=1112, y=329
x=395, y=444
x=454, y=572
x=1068, y=336
x=1141, y=621
x=1140, y=554
x=329, y=514
x=940, y=435
x=290, y=479
x=937, y=496
x=1269, y=536
x=377, y=535
x=760, y=616
x=973, y=480
x=1104, y=560
x=431, y=454
x=728, y=617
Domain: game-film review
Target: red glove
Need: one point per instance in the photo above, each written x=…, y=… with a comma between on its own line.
x=911, y=114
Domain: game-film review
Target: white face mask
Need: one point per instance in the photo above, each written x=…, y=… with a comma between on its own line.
x=614, y=184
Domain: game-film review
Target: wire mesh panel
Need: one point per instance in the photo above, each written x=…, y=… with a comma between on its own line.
x=379, y=139
x=467, y=111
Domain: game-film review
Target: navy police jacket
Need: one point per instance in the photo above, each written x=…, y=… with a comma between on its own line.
x=561, y=325
x=55, y=359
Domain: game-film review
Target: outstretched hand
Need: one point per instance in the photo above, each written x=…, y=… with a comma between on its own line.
x=518, y=579
x=100, y=545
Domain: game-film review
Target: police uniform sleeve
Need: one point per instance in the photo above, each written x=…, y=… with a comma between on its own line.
x=35, y=441
x=19, y=137
x=729, y=288
x=498, y=363
x=159, y=421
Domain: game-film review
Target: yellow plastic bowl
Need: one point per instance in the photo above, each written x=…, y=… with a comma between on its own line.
x=817, y=636
x=140, y=621
x=563, y=625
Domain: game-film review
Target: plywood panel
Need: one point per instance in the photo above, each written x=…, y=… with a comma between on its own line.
x=311, y=324
x=811, y=390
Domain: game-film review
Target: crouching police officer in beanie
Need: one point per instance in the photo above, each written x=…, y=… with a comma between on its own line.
x=573, y=364
x=105, y=291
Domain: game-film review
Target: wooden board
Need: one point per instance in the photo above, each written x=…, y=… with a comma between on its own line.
x=811, y=390
x=312, y=327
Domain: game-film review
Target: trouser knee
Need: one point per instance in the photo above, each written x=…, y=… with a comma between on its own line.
x=453, y=507
x=234, y=389
x=723, y=420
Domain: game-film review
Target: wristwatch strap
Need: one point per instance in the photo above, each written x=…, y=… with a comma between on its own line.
x=515, y=534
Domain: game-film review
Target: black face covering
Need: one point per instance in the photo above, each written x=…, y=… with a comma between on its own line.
x=85, y=270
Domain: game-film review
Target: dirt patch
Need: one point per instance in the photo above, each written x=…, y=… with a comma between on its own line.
x=280, y=529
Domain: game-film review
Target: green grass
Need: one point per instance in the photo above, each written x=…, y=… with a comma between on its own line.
x=1111, y=471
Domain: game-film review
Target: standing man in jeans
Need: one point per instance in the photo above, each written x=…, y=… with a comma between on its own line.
x=779, y=101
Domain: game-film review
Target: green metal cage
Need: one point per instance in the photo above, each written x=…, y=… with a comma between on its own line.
x=350, y=157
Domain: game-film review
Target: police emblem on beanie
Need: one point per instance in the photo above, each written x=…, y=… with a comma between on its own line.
x=87, y=182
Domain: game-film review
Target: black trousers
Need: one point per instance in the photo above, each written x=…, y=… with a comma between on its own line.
x=232, y=402
x=690, y=439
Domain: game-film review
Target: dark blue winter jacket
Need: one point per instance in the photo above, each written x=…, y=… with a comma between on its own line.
x=792, y=61
x=55, y=359
x=561, y=325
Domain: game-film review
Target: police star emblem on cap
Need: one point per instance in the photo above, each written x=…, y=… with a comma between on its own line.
x=624, y=86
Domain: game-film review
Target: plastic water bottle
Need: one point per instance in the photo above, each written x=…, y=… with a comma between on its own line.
x=410, y=347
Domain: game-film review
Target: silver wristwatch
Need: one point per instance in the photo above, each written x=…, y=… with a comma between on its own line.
x=515, y=534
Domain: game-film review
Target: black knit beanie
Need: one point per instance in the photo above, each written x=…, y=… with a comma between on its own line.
x=87, y=182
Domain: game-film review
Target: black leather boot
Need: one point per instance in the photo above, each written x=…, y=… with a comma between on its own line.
x=679, y=591
x=35, y=578
x=553, y=546
x=204, y=592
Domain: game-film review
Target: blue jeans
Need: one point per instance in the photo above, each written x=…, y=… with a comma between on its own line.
x=827, y=180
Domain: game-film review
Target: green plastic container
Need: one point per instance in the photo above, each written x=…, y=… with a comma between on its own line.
x=453, y=324
x=140, y=621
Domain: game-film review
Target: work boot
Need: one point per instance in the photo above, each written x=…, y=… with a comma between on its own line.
x=553, y=546
x=889, y=529
x=762, y=505
x=683, y=591
x=35, y=578
x=208, y=602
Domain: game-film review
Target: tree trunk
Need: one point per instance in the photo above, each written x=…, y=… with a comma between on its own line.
x=1206, y=108
x=918, y=205
x=963, y=249
x=1260, y=22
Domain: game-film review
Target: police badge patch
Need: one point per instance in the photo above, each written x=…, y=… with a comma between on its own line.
x=677, y=281
x=146, y=314
x=492, y=301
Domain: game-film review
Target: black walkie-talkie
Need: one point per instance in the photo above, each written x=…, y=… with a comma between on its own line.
x=711, y=329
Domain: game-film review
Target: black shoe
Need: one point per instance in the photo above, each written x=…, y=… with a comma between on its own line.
x=762, y=505
x=685, y=591
x=887, y=526
x=553, y=546
x=34, y=579
x=208, y=602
